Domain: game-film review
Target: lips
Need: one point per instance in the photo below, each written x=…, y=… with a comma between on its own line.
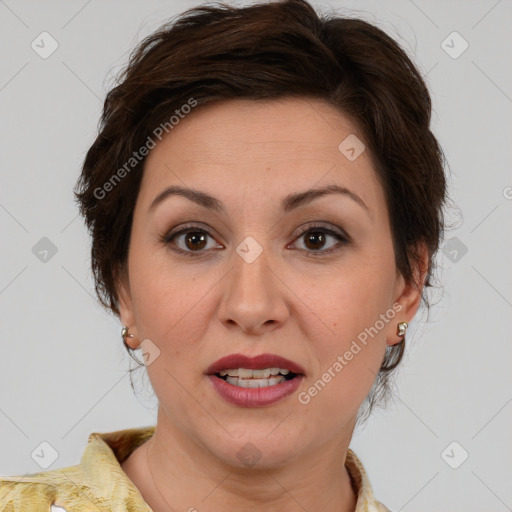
x=248, y=389
x=260, y=362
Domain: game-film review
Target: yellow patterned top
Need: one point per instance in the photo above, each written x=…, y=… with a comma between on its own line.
x=99, y=484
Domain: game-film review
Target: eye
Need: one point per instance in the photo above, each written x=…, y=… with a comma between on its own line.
x=193, y=241
x=190, y=240
x=315, y=238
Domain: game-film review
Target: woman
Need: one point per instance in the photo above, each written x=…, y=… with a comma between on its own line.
x=265, y=201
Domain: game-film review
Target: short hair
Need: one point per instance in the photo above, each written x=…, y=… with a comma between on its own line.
x=267, y=51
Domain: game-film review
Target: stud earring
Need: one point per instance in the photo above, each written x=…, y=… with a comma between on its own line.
x=125, y=334
x=401, y=328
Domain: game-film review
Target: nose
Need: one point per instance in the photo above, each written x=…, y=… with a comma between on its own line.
x=254, y=298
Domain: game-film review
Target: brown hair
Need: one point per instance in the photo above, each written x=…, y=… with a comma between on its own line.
x=264, y=51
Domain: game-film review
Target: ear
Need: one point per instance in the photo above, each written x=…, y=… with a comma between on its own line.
x=125, y=305
x=408, y=293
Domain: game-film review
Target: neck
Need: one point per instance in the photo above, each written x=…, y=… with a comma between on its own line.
x=182, y=476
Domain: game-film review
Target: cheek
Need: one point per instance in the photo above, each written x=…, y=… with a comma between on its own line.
x=352, y=300
x=170, y=306
x=173, y=305
x=167, y=307
x=355, y=306
x=160, y=291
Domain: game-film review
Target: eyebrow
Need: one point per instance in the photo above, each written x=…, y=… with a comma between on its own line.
x=290, y=202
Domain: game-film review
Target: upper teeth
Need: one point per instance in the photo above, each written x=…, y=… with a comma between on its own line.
x=245, y=373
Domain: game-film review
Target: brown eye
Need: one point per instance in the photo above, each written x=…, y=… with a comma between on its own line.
x=316, y=238
x=191, y=241
x=195, y=240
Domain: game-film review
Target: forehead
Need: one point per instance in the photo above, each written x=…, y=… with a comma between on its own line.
x=241, y=146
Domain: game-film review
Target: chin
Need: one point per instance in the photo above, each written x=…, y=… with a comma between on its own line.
x=257, y=450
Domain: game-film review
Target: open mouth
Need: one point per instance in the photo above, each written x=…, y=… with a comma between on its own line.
x=255, y=381
x=247, y=378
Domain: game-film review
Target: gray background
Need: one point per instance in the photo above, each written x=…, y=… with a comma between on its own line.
x=63, y=369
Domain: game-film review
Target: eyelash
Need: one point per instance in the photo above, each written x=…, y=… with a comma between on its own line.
x=343, y=239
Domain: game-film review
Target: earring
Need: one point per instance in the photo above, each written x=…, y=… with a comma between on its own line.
x=124, y=333
x=401, y=328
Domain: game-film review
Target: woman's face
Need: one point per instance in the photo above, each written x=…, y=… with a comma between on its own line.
x=268, y=266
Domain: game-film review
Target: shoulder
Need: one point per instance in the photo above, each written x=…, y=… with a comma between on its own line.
x=58, y=490
x=97, y=484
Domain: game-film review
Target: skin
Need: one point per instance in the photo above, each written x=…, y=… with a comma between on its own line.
x=303, y=306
